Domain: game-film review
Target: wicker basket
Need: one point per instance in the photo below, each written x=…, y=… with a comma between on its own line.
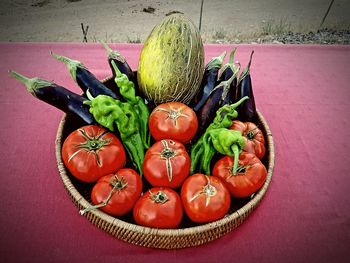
x=186, y=236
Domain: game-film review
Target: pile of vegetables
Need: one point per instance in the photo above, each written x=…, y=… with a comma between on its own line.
x=163, y=159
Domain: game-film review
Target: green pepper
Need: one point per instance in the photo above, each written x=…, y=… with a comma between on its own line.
x=228, y=142
x=203, y=151
x=112, y=113
x=127, y=90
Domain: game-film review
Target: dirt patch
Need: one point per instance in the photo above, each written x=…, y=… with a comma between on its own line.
x=132, y=20
x=40, y=3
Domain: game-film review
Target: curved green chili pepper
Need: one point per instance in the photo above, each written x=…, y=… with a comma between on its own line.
x=223, y=139
x=209, y=152
x=112, y=113
x=228, y=142
x=127, y=90
x=226, y=114
x=203, y=151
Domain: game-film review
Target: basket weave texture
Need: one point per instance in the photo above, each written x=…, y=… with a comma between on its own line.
x=152, y=237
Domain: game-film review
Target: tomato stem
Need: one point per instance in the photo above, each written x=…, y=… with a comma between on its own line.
x=208, y=190
x=173, y=114
x=92, y=144
x=241, y=169
x=251, y=134
x=159, y=197
x=167, y=154
x=118, y=184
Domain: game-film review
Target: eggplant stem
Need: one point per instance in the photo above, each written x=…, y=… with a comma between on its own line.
x=89, y=96
x=112, y=54
x=107, y=48
x=235, y=73
x=230, y=64
x=232, y=55
x=71, y=64
x=216, y=62
x=225, y=85
x=32, y=84
x=250, y=60
x=247, y=69
x=116, y=69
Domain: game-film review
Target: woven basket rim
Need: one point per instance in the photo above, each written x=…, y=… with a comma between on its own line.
x=140, y=234
x=164, y=232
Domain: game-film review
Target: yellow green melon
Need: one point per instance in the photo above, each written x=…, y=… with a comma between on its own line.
x=171, y=63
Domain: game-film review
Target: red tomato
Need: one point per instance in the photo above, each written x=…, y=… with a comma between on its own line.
x=91, y=152
x=166, y=164
x=205, y=198
x=117, y=192
x=253, y=137
x=160, y=207
x=173, y=120
x=250, y=176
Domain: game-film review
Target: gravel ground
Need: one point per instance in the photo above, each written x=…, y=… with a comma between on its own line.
x=323, y=36
x=130, y=21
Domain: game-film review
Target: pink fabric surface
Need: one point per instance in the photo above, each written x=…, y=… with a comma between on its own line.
x=303, y=92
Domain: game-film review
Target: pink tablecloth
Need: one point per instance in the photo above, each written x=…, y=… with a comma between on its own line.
x=303, y=92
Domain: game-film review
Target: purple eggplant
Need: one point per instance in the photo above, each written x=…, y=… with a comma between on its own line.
x=56, y=96
x=85, y=79
x=210, y=80
x=121, y=64
x=246, y=111
x=216, y=99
